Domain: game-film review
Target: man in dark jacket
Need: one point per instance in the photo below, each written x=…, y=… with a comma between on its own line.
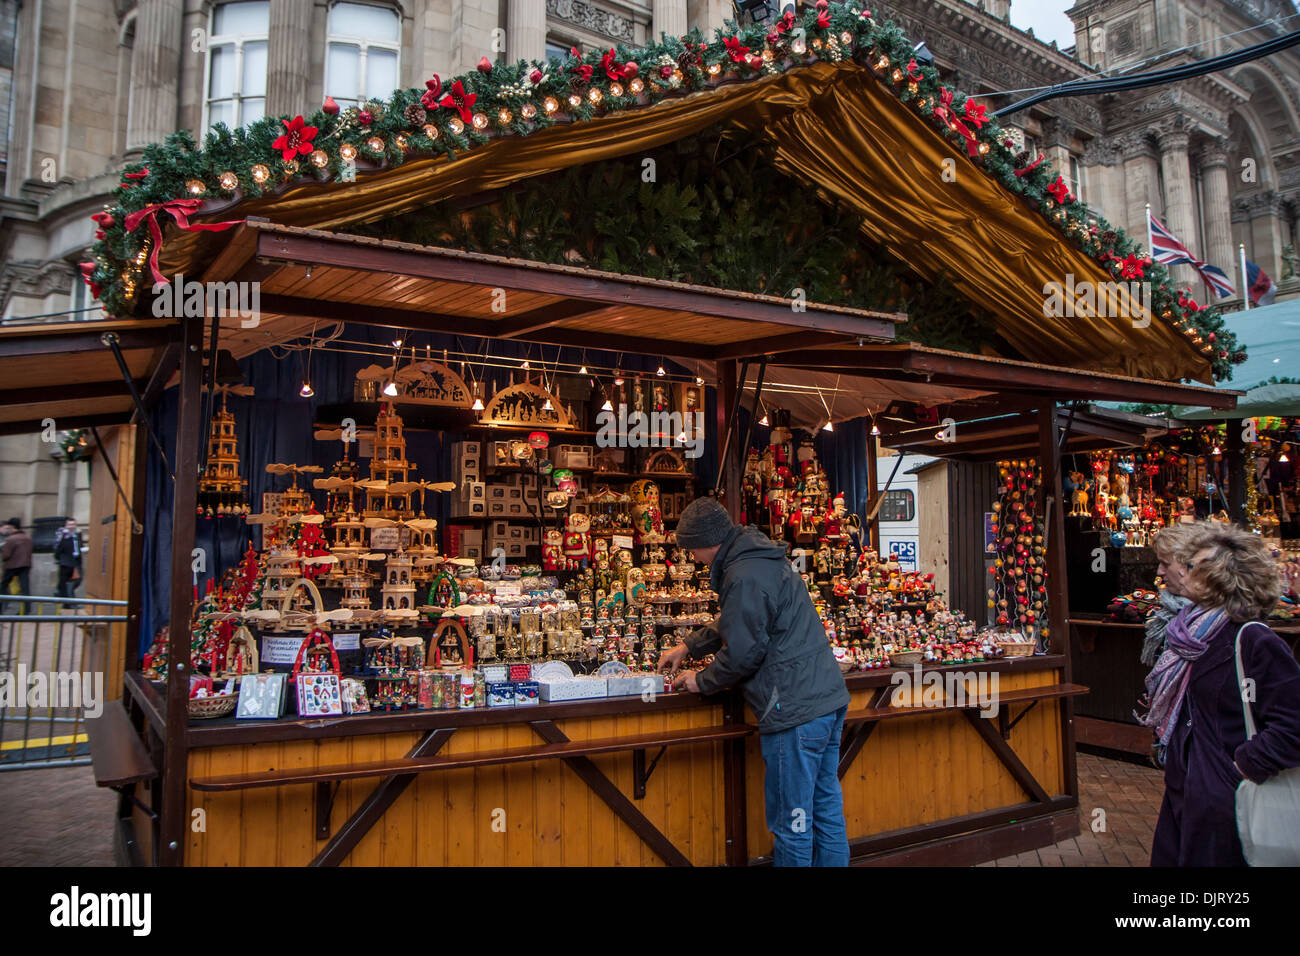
x=67, y=553
x=768, y=639
x=17, y=555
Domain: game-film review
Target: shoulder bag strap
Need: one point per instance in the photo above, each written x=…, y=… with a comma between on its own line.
x=1241, y=685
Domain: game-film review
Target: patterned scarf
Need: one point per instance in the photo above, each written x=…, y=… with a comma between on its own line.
x=1188, y=638
x=1157, y=621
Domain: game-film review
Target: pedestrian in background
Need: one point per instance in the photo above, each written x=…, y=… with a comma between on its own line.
x=67, y=553
x=768, y=639
x=17, y=555
x=1198, y=706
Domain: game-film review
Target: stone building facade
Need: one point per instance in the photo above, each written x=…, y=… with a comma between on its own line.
x=85, y=84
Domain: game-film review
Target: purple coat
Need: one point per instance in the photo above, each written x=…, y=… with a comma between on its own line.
x=1198, y=819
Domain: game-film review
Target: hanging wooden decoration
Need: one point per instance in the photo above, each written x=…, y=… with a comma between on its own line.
x=526, y=404
x=424, y=382
x=665, y=461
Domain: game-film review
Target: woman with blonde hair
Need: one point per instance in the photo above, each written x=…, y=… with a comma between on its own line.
x=1174, y=547
x=1197, y=705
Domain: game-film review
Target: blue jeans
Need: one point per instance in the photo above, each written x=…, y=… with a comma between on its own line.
x=805, y=809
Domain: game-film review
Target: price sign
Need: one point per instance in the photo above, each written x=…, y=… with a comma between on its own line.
x=622, y=541
x=385, y=539
x=280, y=650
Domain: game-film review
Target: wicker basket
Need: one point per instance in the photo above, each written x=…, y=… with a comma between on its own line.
x=1018, y=648
x=219, y=705
x=905, y=658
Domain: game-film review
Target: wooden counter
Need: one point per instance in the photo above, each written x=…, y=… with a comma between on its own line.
x=623, y=781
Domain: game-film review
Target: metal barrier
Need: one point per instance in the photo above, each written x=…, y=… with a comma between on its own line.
x=53, y=673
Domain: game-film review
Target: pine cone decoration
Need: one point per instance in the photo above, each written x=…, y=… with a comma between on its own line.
x=577, y=85
x=1022, y=159
x=415, y=115
x=1109, y=238
x=688, y=59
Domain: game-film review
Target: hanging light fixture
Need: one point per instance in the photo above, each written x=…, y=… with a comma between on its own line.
x=828, y=427
x=306, y=391
x=1215, y=451
x=525, y=365
x=618, y=377
x=390, y=389
x=607, y=407
x=660, y=370
x=397, y=342
x=875, y=429
x=583, y=371
x=547, y=406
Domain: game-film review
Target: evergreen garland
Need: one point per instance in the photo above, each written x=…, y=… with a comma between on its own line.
x=521, y=98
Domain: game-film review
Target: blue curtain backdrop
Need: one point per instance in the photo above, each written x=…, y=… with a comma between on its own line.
x=275, y=424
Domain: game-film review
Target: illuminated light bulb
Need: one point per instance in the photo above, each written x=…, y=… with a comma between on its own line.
x=618, y=378
x=763, y=420
x=306, y=391
x=984, y=149
x=616, y=89
x=846, y=38
x=528, y=111
x=401, y=141
x=390, y=389
x=1215, y=450
x=550, y=104
x=607, y=407
x=798, y=46
x=375, y=144
x=715, y=69
x=456, y=124
x=637, y=85
x=583, y=370
x=228, y=181
x=430, y=131
x=575, y=100
x=478, y=405
x=547, y=406
x=260, y=173
x=319, y=158
x=660, y=371
x=479, y=120
x=595, y=95
x=875, y=429
x=681, y=437
x=505, y=117
x=897, y=75
x=768, y=55
x=882, y=63
x=1283, y=458
x=817, y=43
x=195, y=187
x=699, y=380
x=397, y=343
x=828, y=427
x=525, y=365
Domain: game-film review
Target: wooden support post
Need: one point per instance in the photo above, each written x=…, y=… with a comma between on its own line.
x=735, y=820
x=175, y=758
x=873, y=489
x=729, y=392
x=135, y=573
x=1058, y=591
x=1234, y=453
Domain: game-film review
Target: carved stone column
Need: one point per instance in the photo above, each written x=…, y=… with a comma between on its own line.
x=1140, y=182
x=525, y=30
x=155, y=72
x=1217, y=207
x=1178, y=216
x=288, y=53
x=669, y=16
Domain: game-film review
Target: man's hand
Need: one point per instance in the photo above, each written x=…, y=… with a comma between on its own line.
x=687, y=681
x=671, y=659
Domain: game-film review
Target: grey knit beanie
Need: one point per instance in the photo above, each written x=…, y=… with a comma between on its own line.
x=704, y=523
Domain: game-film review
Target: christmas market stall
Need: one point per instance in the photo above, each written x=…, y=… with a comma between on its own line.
x=408, y=468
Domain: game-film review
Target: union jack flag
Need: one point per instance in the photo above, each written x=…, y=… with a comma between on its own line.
x=1166, y=249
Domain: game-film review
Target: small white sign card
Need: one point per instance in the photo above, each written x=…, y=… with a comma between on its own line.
x=622, y=541
x=385, y=539
x=347, y=642
x=261, y=696
x=280, y=650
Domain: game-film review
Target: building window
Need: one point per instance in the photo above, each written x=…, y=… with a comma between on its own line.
x=898, y=506
x=237, y=63
x=361, y=52
x=556, y=50
x=82, y=307
x=1076, y=179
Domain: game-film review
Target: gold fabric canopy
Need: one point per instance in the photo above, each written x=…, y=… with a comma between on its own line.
x=835, y=127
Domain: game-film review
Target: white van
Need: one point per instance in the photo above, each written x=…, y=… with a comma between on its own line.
x=900, y=523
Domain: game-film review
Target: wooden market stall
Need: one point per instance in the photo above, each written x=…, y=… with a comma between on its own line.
x=672, y=778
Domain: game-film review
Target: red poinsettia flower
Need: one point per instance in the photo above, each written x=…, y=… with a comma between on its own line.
x=735, y=50
x=1060, y=192
x=584, y=71
x=430, y=97
x=610, y=67
x=1130, y=267
x=824, y=19
x=460, y=101
x=975, y=113
x=296, y=139
x=786, y=22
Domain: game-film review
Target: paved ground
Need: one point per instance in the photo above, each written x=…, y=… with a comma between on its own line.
x=1129, y=797
x=58, y=817
x=55, y=817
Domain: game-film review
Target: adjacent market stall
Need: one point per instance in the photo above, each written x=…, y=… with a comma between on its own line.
x=484, y=359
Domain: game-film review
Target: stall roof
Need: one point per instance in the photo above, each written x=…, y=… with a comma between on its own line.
x=834, y=126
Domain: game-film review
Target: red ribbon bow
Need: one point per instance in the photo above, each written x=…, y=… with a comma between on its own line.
x=913, y=70
x=180, y=210
x=1060, y=192
x=1031, y=167
x=949, y=116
